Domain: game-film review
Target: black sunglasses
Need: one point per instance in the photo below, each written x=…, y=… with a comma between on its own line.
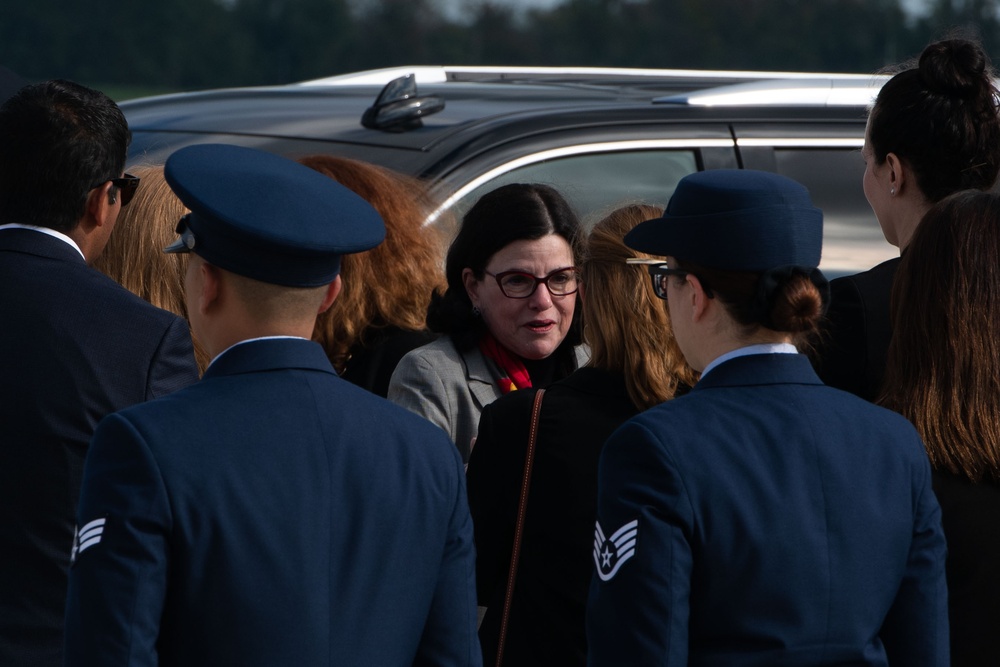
x=127, y=185
x=660, y=272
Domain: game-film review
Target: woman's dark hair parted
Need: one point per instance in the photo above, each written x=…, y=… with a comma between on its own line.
x=943, y=365
x=514, y=212
x=941, y=118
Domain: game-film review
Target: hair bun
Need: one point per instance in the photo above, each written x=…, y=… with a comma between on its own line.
x=956, y=68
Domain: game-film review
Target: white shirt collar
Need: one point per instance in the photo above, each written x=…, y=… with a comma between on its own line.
x=761, y=348
x=45, y=230
x=250, y=340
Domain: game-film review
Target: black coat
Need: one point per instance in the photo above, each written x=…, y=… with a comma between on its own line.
x=856, y=341
x=969, y=513
x=371, y=365
x=74, y=346
x=547, y=617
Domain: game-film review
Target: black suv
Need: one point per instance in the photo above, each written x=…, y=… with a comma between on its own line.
x=601, y=136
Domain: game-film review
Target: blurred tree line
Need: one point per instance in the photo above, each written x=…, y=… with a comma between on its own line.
x=189, y=44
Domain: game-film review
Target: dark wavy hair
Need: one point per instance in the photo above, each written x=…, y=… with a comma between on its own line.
x=941, y=118
x=943, y=365
x=514, y=212
x=58, y=140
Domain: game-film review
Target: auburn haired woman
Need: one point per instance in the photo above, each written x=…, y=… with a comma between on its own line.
x=381, y=313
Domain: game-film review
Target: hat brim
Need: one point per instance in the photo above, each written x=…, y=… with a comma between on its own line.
x=745, y=240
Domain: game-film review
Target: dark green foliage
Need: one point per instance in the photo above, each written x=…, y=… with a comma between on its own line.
x=188, y=44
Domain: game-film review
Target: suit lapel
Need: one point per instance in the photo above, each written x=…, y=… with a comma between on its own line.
x=36, y=243
x=480, y=377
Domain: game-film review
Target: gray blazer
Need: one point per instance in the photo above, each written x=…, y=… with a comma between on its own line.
x=450, y=388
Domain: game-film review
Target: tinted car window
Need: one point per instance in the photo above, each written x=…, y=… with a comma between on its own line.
x=596, y=183
x=852, y=238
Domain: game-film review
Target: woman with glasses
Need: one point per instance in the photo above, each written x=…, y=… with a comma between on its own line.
x=762, y=518
x=634, y=365
x=507, y=314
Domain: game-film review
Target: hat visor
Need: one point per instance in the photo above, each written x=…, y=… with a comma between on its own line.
x=177, y=246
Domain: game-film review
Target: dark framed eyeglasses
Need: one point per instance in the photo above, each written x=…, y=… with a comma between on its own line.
x=521, y=285
x=660, y=273
x=127, y=185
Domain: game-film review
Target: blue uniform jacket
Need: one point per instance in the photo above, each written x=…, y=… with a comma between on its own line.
x=272, y=514
x=766, y=519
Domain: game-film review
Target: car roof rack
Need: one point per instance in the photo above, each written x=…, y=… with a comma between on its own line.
x=814, y=90
x=431, y=74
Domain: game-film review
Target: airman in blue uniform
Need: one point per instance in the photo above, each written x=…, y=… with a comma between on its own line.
x=272, y=513
x=763, y=518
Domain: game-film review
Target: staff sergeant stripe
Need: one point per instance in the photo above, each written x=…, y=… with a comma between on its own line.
x=89, y=535
x=611, y=554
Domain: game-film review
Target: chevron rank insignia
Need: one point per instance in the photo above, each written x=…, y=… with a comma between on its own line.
x=89, y=535
x=610, y=553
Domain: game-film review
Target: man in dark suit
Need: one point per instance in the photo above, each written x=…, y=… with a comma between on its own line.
x=74, y=345
x=273, y=513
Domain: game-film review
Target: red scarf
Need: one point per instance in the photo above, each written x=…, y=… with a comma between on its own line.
x=515, y=375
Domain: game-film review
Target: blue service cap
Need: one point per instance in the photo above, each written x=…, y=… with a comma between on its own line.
x=736, y=219
x=267, y=217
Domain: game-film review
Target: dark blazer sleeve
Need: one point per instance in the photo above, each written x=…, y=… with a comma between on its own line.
x=449, y=636
x=638, y=609
x=172, y=366
x=915, y=631
x=844, y=348
x=117, y=584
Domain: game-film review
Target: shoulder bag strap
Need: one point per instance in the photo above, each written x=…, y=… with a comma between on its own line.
x=519, y=526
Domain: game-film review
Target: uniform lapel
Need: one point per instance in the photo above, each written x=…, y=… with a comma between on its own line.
x=270, y=354
x=760, y=369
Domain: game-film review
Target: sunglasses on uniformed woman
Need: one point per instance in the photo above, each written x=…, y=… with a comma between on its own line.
x=660, y=272
x=127, y=185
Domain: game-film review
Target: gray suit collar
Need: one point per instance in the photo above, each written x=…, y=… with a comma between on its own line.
x=482, y=377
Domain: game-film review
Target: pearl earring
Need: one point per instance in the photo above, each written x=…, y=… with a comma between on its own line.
x=892, y=191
